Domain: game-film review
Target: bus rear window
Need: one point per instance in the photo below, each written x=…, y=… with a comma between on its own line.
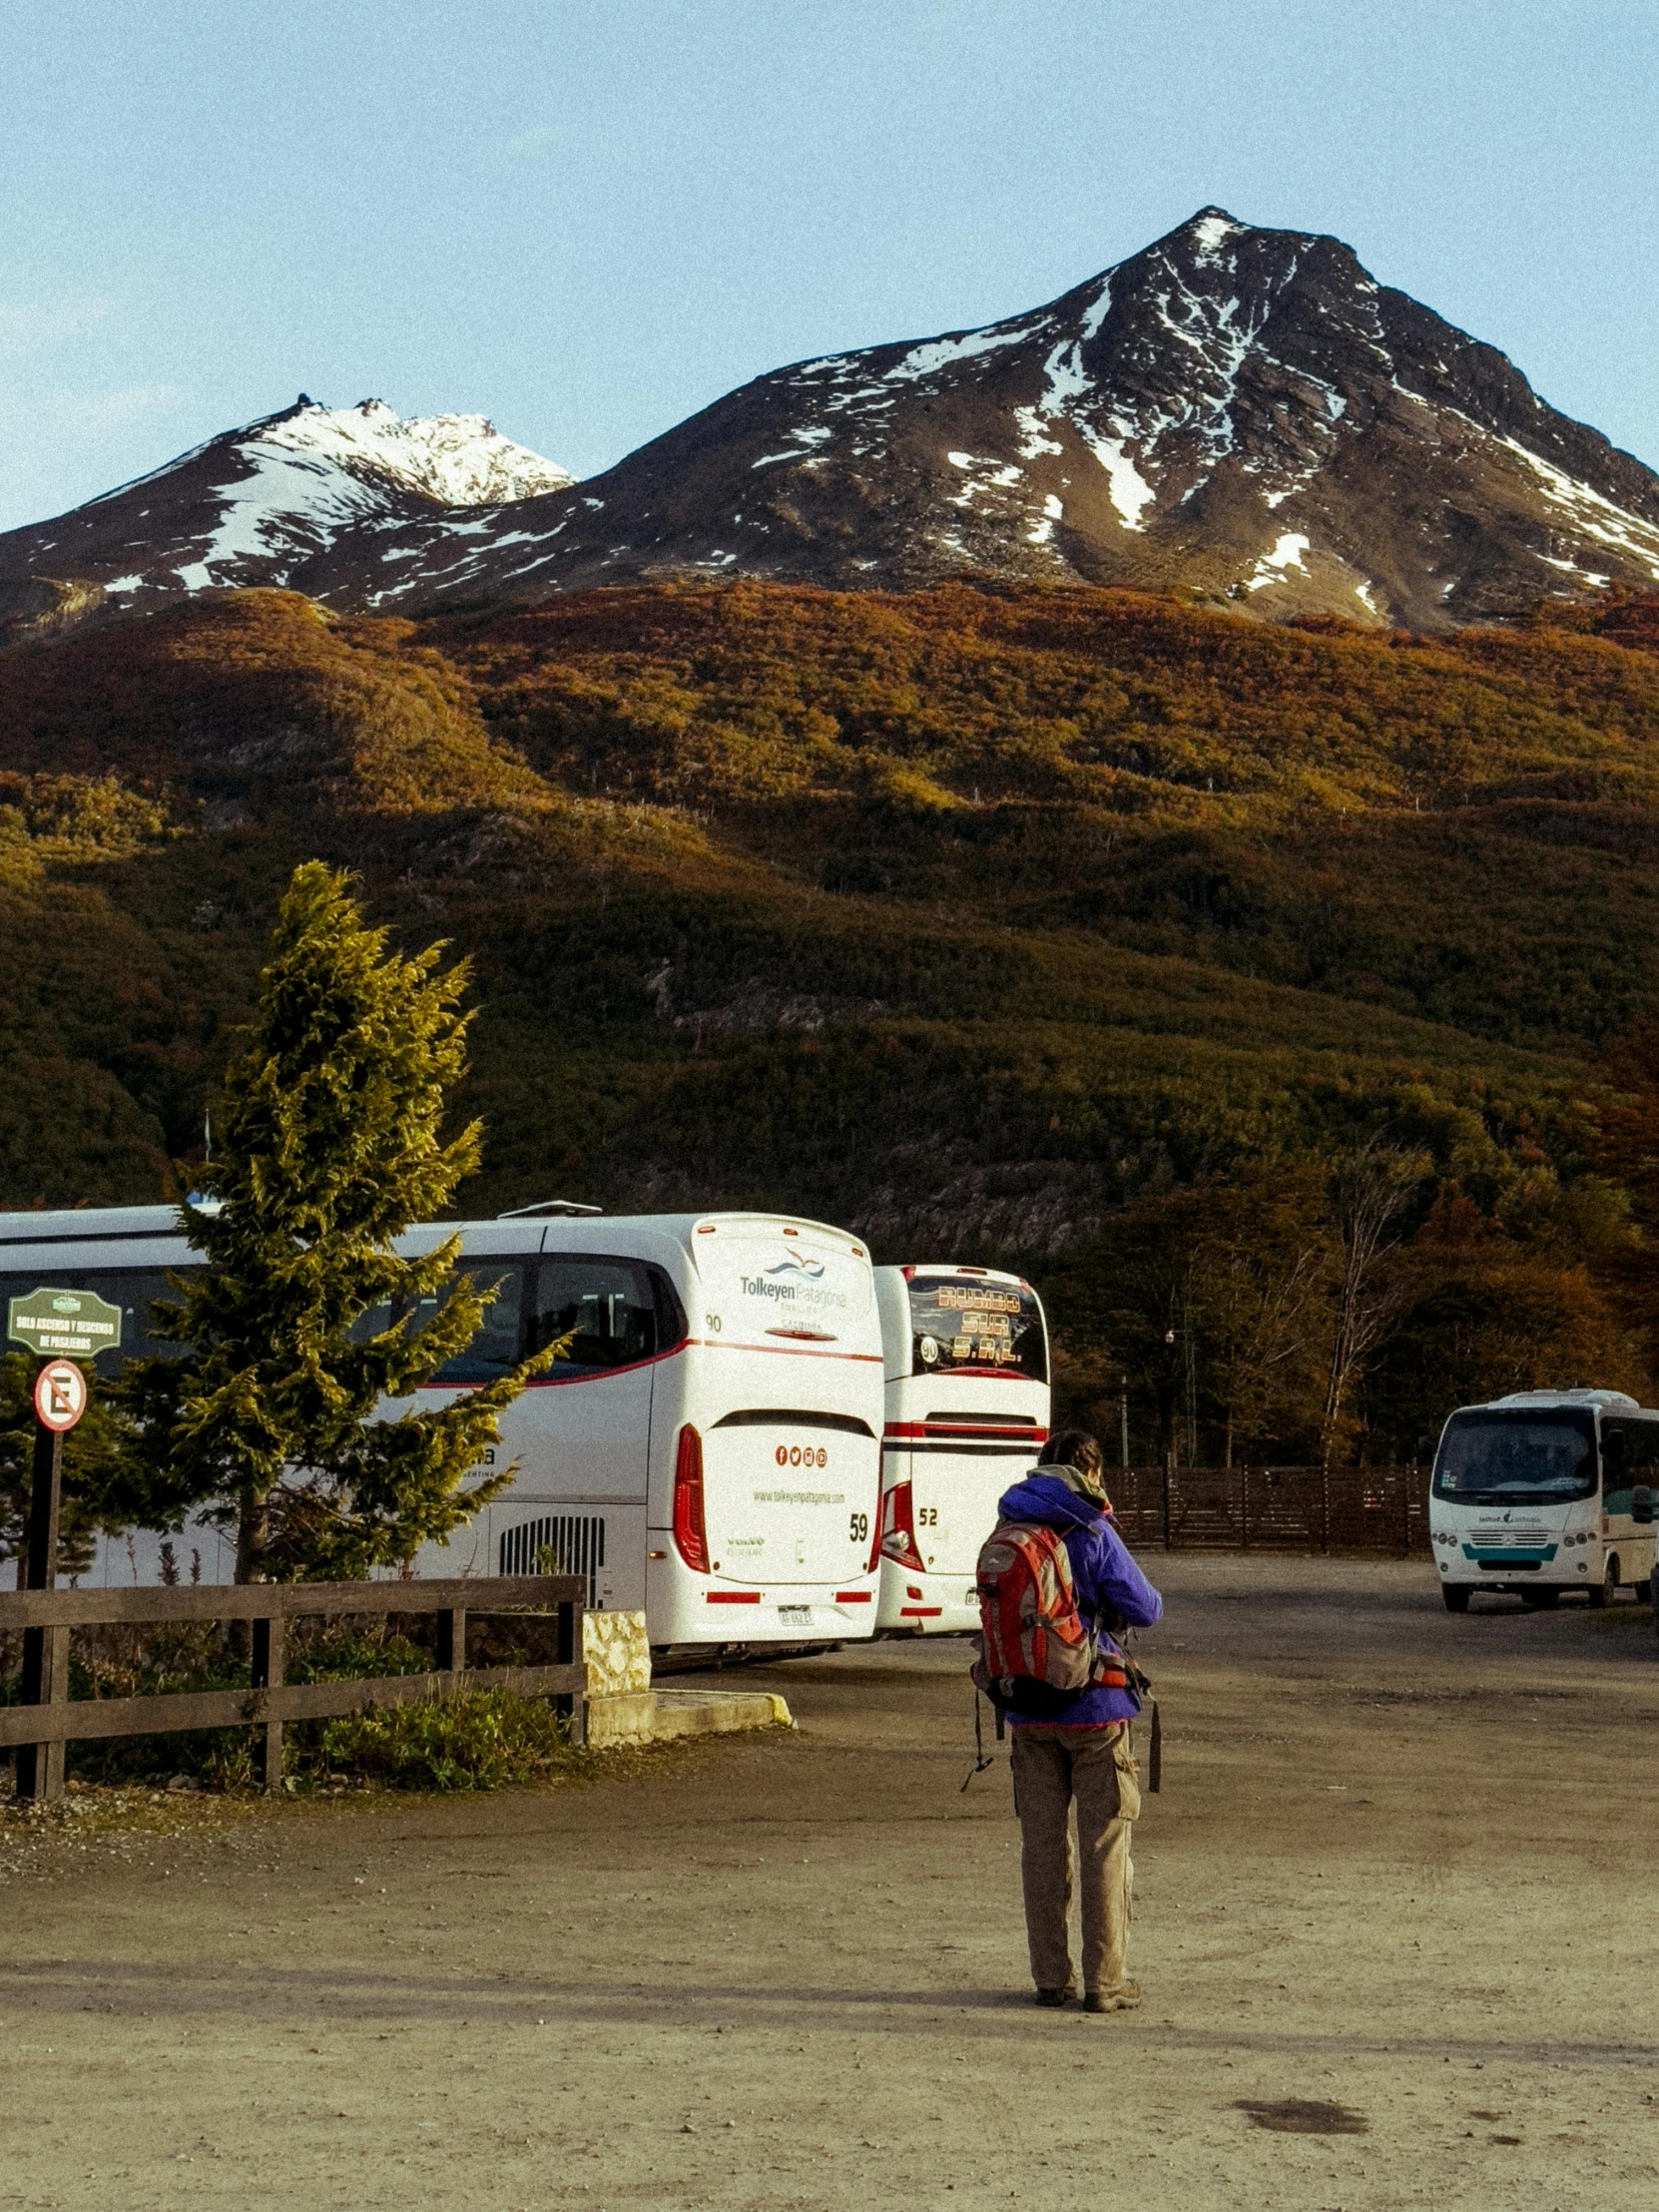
x=960, y=1327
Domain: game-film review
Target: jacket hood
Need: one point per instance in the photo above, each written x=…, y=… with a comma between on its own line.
x=1047, y=1499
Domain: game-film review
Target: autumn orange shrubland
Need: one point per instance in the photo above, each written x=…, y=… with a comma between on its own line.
x=975, y=915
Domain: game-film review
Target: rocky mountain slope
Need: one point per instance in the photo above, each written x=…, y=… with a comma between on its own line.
x=1241, y=414
x=314, y=497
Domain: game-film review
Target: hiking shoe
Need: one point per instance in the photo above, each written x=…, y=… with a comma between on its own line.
x=1123, y=1999
x=1055, y=1997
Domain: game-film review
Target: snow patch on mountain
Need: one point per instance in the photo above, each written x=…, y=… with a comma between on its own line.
x=1287, y=554
x=938, y=353
x=1042, y=527
x=290, y=502
x=1589, y=512
x=1130, y=492
x=1212, y=229
x=983, y=475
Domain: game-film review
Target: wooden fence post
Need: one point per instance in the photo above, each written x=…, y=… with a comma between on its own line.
x=575, y=1710
x=451, y=1653
x=269, y=1658
x=40, y=1767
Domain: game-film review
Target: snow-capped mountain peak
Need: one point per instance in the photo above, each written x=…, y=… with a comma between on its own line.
x=306, y=497
x=461, y=460
x=1244, y=413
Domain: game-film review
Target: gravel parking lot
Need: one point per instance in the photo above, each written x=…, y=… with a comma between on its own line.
x=1400, y=1868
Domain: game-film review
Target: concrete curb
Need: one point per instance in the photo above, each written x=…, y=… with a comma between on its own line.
x=656, y=1716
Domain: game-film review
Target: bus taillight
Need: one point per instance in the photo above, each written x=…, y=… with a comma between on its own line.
x=691, y=1536
x=899, y=1535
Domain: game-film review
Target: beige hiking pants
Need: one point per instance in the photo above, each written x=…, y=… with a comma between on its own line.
x=1094, y=1770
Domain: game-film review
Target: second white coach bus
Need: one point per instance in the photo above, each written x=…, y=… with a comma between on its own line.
x=709, y=1451
x=967, y=1411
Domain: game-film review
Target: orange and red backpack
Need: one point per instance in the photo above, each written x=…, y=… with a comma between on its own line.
x=1029, y=1626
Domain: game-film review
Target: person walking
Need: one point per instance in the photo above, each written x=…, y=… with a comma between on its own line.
x=1072, y=1752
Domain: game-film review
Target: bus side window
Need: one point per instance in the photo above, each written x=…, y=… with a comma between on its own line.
x=496, y=1349
x=1625, y=1457
x=1641, y=1454
x=672, y=1327
x=609, y=1308
x=373, y=1321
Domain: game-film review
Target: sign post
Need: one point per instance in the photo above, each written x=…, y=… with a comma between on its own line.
x=53, y=1321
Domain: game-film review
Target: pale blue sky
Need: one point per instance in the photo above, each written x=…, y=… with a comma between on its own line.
x=588, y=219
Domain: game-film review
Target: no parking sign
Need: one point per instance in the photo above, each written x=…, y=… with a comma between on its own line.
x=60, y=1395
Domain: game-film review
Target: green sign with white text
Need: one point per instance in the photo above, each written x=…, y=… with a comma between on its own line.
x=76, y=1324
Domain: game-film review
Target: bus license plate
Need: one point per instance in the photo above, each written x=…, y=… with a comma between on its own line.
x=794, y=1616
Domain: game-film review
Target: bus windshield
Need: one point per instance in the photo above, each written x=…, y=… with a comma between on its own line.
x=1533, y=1457
x=965, y=1328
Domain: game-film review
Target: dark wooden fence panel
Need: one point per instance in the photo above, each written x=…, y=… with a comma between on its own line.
x=1366, y=1509
x=38, y=1732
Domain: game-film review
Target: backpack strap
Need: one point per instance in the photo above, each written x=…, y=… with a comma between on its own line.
x=1115, y=1670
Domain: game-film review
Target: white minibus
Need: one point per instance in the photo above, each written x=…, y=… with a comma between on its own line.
x=709, y=1451
x=1540, y=1492
x=967, y=1411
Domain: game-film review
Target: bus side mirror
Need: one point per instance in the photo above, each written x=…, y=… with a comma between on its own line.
x=1425, y=1449
x=1641, y=1506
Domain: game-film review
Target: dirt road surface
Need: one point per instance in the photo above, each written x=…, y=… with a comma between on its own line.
x=1403, y=1865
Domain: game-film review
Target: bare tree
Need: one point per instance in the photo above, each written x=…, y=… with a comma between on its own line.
x=1368, y=1193
x=1267, y=1314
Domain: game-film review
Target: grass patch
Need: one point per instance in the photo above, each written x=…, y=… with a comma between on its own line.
x=469, y=1740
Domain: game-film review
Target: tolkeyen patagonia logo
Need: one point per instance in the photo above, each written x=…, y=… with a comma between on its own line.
x=796, y=1279
x=794, y=1263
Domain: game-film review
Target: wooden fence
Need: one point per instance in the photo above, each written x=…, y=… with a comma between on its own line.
x=1375, y=1509
x=39, y=1731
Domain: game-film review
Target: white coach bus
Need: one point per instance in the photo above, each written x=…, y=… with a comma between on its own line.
x=1544, y=1491
x=967, y=1411
x=709, y=1451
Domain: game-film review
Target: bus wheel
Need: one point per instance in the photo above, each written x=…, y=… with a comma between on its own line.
x=1609, y=1587
x=1456, y=1595
x=1541, y=1601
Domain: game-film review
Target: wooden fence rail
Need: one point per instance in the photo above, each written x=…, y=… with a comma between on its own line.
x=1375, y=1509
x=40, y=1731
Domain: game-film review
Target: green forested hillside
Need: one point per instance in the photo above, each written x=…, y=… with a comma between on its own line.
x=966, y=917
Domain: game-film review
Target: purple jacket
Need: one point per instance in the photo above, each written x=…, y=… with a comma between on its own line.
x=1106, y=1579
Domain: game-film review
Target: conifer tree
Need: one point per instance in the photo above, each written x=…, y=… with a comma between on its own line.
x=328, y=1144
